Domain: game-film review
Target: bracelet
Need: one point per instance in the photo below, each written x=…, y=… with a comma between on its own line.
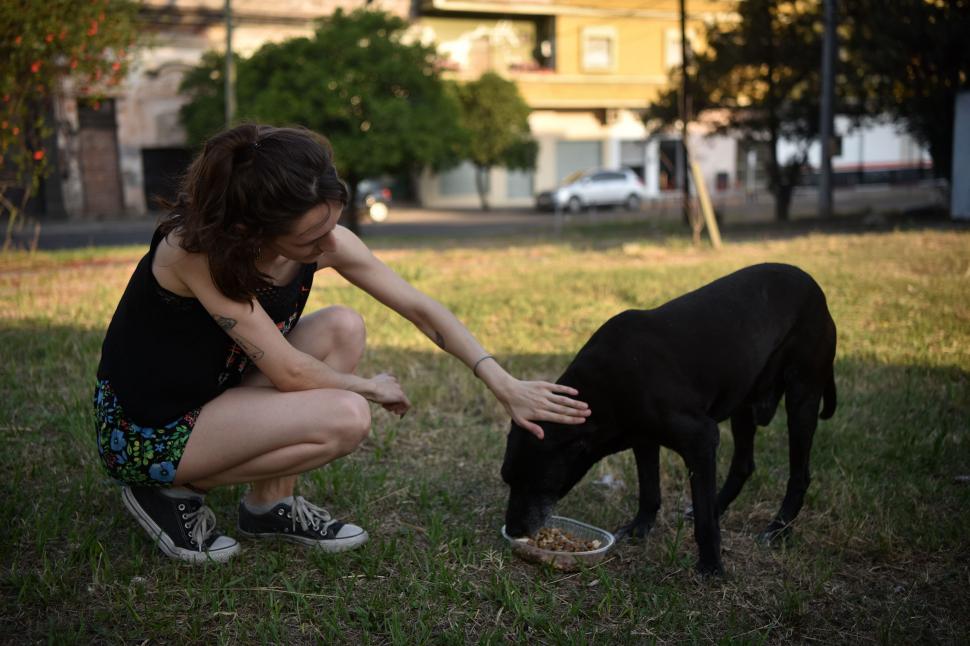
x=475, y=367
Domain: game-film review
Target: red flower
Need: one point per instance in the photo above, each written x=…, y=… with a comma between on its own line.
x=73, y=63
x=18, y=40
x=35, y=66
x=93, y=29
x=38, y=155
x=116, y=66
x=49, y=38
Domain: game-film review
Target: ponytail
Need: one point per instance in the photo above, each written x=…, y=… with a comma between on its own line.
x=249, y=185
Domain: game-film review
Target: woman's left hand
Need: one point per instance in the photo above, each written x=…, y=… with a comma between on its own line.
x=540, y=401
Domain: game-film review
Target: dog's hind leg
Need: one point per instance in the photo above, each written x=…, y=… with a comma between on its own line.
x=742, y=462
x=648, y=472
x=802, y=403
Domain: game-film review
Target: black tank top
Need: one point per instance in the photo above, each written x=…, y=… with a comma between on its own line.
x=164, y=355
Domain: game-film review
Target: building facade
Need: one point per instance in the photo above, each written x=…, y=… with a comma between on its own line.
x=115, y=155
x=587, y=68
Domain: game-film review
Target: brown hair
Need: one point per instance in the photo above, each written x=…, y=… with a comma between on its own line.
x=247, y=186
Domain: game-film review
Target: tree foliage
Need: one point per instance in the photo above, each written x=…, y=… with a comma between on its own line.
x=44, y=47
x=912, y=57
x=380, y=100
x=496, y=120
x=762, y=73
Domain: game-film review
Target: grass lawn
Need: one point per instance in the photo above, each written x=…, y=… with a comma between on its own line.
x=880, y=553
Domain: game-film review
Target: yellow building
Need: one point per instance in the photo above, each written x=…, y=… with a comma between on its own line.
x=588, y=68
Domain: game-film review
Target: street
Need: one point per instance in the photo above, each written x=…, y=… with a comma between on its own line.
x=412, y=222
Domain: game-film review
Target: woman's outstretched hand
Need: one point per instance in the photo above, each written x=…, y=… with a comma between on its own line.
x=540, y=401
x=386, y=391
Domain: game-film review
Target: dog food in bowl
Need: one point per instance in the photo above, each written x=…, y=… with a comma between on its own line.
x=563, y=543
x=554, y=539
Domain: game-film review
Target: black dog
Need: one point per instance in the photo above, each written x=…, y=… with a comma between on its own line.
x=666, y=377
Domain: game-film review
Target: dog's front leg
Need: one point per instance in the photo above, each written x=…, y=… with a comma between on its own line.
x=697, y=439
x=648, y=472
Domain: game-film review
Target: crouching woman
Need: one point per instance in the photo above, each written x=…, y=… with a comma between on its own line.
x=212, y=375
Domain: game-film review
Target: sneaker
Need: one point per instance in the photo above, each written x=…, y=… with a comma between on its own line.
x=295, y=519
x=183, y=528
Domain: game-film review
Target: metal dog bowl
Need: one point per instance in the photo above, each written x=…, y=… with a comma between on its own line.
x=565, y=560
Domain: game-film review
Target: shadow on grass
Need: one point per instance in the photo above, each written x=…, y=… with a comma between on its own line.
x=883, y=497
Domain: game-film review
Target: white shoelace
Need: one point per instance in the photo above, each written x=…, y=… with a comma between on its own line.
x=309, y=515
x=201, y=524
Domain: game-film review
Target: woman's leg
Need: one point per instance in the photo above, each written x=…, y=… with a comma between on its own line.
x=255, y=433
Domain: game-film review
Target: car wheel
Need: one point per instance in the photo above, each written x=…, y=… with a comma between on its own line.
x=632, y=203
x=574, y=205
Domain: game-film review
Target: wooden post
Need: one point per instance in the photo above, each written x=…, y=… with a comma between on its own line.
x=706, y=207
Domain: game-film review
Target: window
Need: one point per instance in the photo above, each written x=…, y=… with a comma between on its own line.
x=458, y=181
x=599, y=49
x=672, y=57
x=519, y=183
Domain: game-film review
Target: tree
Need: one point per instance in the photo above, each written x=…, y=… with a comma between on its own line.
x=913, y=57
x=380, y=101
x=47, y=48
x=205, y=114
x=496, y=118
x=763, y=73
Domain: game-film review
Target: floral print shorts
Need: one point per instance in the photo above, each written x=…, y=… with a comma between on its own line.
x=133, y=454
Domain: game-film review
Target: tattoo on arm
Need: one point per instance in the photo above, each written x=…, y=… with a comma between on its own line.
x=439, y=339
x=250, y=349
x=225, y=323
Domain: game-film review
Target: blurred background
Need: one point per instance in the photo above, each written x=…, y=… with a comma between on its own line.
x=479, y=105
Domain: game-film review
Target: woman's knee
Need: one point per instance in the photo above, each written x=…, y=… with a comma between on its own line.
x=347, y=420
x=347, y=326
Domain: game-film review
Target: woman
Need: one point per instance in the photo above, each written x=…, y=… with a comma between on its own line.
x=211, y=376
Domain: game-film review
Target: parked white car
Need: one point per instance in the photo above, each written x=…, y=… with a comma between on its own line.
x=584, y=189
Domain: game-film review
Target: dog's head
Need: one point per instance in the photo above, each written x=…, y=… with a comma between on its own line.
x=540, y=472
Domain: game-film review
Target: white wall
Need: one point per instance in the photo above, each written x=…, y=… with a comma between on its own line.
x=872, y=144
x=714, y=155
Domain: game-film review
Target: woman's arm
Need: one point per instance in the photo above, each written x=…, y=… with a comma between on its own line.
x=525, y=401
x=288, y=368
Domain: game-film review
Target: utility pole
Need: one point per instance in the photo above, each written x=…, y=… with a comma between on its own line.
x=230, y=71
x=682, y=151
x=825, y=126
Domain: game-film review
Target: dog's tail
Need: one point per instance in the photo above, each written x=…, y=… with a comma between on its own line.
x=828, y=397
